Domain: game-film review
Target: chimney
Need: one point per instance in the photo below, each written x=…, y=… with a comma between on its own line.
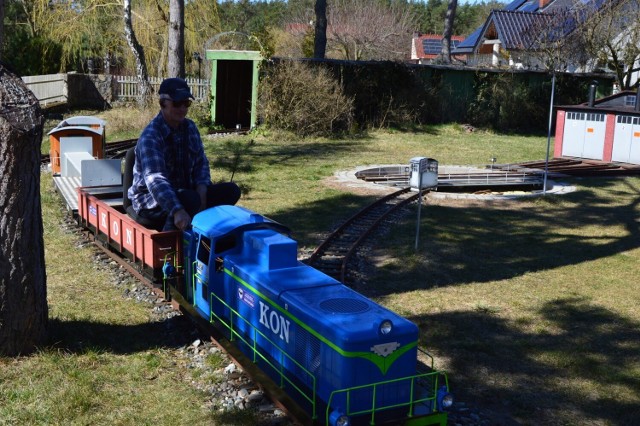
x=637, y=108
x=592, y=93
x=543, y=3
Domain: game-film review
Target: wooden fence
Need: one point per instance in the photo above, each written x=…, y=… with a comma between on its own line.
x=127, y=87
x=50, y=89
x=53, y=89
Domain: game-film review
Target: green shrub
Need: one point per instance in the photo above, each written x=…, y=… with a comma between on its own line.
x=508, y=101
x=305, y=100
x=200, y=113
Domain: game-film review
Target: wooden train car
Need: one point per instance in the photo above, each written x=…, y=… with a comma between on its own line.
x=100, y=211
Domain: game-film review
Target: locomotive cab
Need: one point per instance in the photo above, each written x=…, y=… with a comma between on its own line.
x=215, y=234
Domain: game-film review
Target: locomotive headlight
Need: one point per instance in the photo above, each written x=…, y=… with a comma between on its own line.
x=443, y=398
x=336, y=418
x=385, y=327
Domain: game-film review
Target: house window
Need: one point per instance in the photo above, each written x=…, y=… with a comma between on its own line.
x=630, y=101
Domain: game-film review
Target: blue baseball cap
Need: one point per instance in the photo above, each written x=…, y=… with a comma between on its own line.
x=175, y=89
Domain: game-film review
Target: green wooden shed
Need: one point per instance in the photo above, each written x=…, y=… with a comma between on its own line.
x=234, y=87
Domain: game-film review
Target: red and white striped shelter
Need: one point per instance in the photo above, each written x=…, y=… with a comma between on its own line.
x=606, y=129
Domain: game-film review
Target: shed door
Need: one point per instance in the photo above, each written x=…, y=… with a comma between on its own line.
x=584, y=135
x=573, y=138
x=595, y=127
x=234, y=90
x=626, y=140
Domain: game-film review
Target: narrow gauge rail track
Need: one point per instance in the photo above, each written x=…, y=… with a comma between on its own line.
x=119, y=149
x=574, y=167
x=334, y=254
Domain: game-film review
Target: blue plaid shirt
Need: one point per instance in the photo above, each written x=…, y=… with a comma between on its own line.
x=167, y=160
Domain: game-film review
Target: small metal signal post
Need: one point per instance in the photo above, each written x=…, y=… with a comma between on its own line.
x=424, y=175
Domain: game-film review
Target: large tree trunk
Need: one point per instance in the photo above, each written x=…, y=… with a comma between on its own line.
x=449, y=19
x=320, y=39
x=1, y=28
x=141, y=66
x=176, y=39
x=23, y=282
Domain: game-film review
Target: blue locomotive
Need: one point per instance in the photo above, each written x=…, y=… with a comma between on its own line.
x=344, y=358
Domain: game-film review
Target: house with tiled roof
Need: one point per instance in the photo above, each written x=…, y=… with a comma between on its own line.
x=511, y=37
x=427, y=47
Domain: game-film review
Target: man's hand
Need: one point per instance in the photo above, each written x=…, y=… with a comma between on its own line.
x=181, y=219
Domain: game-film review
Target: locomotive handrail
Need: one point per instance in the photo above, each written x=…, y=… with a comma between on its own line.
x=428, y=355
x=256, y=352
x=411, y=402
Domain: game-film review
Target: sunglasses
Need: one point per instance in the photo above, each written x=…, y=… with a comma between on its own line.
x=179, y=104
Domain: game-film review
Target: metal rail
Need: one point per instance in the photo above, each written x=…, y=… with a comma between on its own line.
x=333, y=255
x=574, y=167
x=119, y=149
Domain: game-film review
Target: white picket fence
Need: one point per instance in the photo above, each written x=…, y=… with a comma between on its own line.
x=127, y=87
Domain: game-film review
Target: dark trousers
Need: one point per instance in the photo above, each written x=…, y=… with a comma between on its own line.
x=218, y=194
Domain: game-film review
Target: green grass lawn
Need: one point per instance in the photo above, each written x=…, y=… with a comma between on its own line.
x=531, y=305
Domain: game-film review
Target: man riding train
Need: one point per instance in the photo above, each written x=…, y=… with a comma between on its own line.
x=171, y=179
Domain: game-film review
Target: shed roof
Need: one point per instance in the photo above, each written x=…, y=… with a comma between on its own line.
x=622, y=102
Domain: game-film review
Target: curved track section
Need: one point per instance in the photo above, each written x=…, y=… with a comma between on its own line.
x=333, y=256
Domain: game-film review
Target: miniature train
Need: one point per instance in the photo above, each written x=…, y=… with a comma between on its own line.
x=341, y=357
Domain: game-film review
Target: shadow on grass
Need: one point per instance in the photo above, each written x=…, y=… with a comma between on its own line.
x=80, y=336
x=579, y=369
x=543, y=376
x=496, y=241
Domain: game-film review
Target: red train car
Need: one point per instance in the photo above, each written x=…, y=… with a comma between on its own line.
x=100, y=211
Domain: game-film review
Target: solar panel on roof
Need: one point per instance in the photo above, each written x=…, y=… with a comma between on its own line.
x=530, y=7
x=514, y=5
x=471, y=40
x=433, y=46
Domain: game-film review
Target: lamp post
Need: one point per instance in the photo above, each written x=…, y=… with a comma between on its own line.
x=198, y=58
x=546, y=160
